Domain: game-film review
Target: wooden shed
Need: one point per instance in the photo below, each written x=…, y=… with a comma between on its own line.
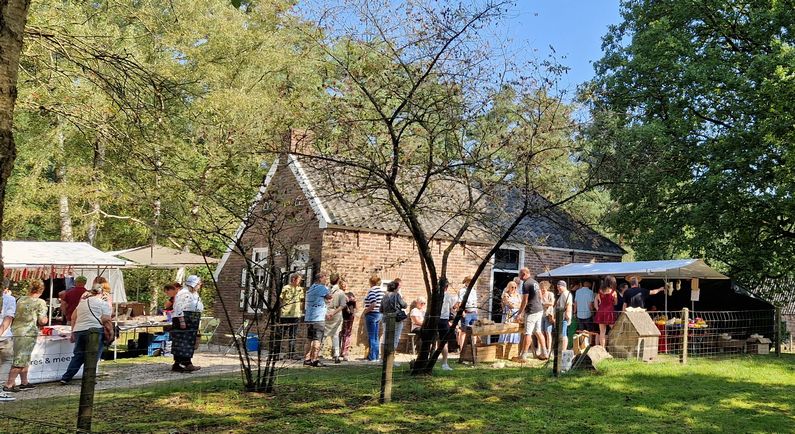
x=634, y=335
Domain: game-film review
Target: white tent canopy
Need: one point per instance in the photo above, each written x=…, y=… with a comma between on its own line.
x=157, y=256
x=59, y=254
x=670, y=269
x=53, y=259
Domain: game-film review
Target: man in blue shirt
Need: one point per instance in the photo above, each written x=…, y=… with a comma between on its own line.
x=315, y=318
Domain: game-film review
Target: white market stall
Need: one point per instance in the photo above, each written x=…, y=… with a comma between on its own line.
x=155, y=256
x=50, y=260
x=666, y=270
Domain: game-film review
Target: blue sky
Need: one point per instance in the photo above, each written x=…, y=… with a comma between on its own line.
x=573, y=27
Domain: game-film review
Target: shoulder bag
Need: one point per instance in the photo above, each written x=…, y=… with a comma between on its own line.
x=109, y=332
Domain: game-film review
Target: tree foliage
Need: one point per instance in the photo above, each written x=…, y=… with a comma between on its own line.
x=425, y=121
x=693, y=104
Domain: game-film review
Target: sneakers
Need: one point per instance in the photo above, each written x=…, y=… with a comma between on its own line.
x=337, y=360
x=318, y=364
x=307, y=363
x=66, y=382
x=446, y=367
x=12, y=389
x=6, y=397
x=27, y=386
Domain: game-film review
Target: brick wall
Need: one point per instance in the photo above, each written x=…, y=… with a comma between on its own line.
x=357, y=255
x=297, y=225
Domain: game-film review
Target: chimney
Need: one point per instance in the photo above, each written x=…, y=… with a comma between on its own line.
x=298, y=141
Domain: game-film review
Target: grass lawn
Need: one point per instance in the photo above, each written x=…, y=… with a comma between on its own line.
x=751, y=394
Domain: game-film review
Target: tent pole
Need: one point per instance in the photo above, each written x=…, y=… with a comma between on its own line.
x=52, y=288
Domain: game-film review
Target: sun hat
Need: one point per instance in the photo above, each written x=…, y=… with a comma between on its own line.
x=192, y=281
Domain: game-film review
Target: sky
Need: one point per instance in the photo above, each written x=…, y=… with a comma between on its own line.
x=573, y=27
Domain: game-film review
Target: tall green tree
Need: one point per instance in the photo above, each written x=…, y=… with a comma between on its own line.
x=13, y=16
x=694, y=108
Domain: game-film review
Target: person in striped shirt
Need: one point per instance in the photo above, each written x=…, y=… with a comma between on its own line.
x=372, y=316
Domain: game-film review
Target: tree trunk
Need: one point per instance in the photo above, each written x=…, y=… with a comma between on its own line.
x=98, y=164
x=13, y=16
x=63, y=200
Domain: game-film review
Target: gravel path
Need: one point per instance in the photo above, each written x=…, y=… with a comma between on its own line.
x=129, y=375
x=152, y=370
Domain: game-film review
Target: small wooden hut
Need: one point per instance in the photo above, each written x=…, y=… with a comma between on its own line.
x=634, y=335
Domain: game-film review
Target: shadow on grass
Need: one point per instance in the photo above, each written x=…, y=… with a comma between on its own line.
x=743, y=395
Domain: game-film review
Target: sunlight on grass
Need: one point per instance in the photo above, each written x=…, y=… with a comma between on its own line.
x=741, y=395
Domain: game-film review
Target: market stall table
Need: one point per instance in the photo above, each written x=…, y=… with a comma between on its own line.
x=49, y=359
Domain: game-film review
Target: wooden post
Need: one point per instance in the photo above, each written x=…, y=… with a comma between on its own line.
x=556, y=342
x=388, y=359
x=685, y=321
x=777, y=331
x=85, y=410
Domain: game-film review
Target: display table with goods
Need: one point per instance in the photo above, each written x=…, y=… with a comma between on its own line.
x=145, y=335
x=50, y=357
x=700, y=337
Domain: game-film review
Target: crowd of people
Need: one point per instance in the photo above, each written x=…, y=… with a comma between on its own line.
x=534, y=305
x=329, y=310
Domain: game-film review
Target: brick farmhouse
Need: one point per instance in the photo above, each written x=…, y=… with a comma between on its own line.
x=333, y=233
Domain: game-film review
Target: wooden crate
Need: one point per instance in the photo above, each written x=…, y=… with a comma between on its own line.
x=495, y=329
x=507, y=351
x=486, y=353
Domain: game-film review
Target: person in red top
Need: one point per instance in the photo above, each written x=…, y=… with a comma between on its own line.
x=71, y=297
x=604, y=303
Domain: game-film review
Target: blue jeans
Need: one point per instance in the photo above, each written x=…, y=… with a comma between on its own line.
x=371, y=321
x=79, y=357
x=469, y=319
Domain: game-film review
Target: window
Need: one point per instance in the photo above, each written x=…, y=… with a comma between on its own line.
x=254, y=286
x=506, y=259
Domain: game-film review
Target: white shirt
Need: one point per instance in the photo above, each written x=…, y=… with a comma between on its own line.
x=9, y=309
x=472, y=301
x=186, y=301
x=89, y=319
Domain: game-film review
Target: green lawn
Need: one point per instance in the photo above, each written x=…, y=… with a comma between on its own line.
x=752, y=394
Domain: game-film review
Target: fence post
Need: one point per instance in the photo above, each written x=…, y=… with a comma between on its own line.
x=556, y=341
x=777, y=330
x=685, y=321
x=85, y=410
x=388, y=358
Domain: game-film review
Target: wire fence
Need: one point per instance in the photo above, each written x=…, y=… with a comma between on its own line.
x=278, y=355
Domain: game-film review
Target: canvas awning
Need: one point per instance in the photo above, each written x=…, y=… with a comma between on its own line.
x=157, y=256
x=55, y=256
x=670, y=269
